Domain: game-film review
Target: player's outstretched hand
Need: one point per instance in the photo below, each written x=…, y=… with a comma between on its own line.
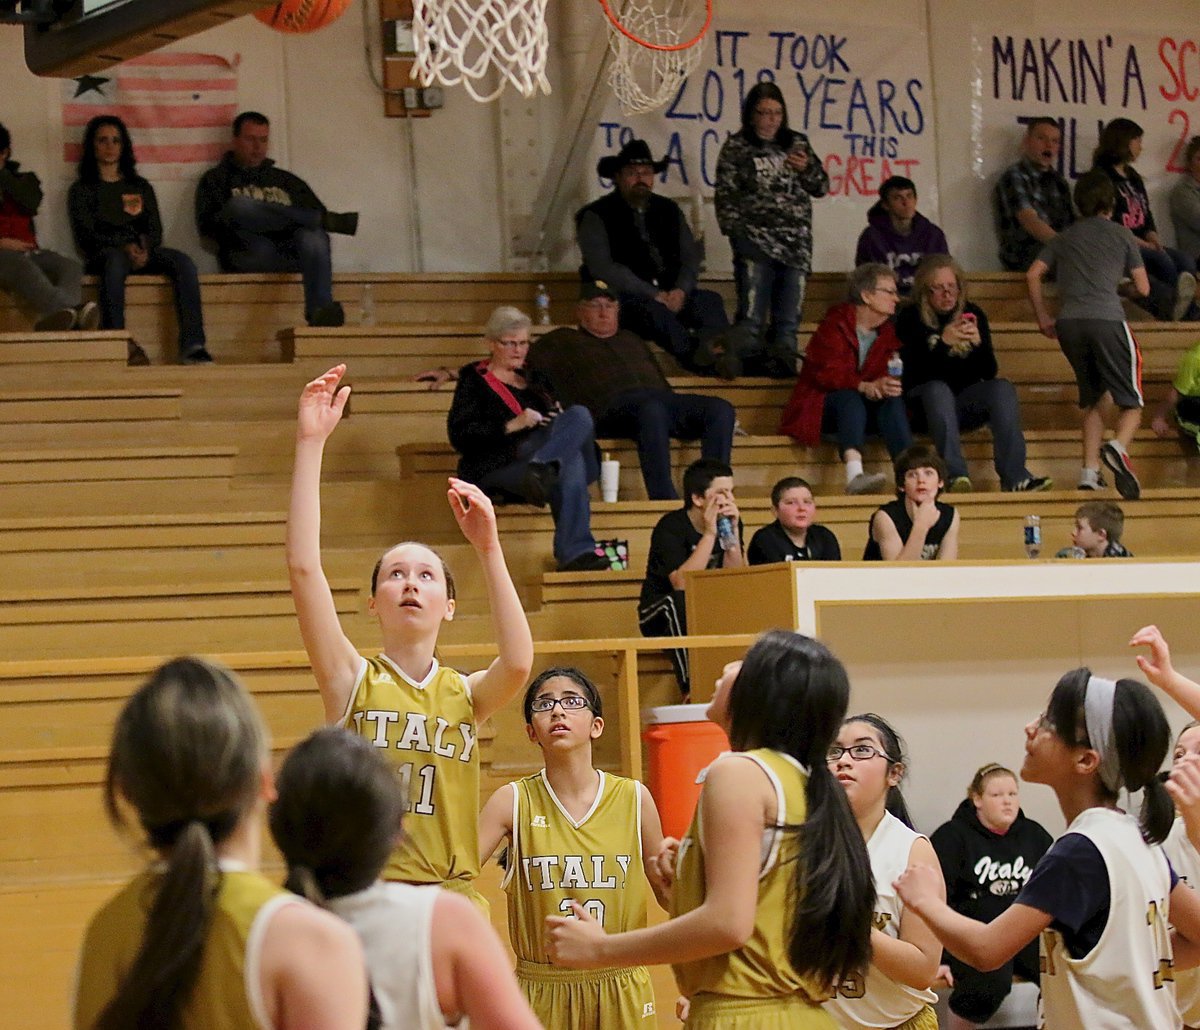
x=575, y=941
x=1156, y=666
x=321, y=405
x=474, y=513
x=917, y=885
x=664, y=862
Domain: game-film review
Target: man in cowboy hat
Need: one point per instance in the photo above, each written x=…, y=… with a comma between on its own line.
x=641, y=245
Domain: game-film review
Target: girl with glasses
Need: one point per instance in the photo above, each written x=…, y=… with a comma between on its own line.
x=771, y=898
x=575, y=835
x=422, y=715
x=868, y=761
x=1113, y=918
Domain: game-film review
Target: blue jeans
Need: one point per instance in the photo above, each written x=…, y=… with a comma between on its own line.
x=653, y=416
x=1164, y=267
x=989, y=402
x=568, y=440
x=702, y=315
x=849, y=416
x=768, y=288
x=279, y=238
x=43, y=279
x=113, y=267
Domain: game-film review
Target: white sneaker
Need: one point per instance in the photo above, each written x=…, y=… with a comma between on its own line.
x=867, y=483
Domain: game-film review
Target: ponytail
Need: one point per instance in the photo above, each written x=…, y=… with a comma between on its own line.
x=791, y=696
x=168, y=962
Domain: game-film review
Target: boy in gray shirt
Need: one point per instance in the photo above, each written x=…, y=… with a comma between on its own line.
x=1089, y=259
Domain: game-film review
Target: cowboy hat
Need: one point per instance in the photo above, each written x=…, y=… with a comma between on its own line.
x=635, y=152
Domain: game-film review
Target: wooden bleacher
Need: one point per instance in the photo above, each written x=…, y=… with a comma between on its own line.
x=142, y=514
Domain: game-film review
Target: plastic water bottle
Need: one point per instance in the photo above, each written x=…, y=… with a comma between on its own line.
x=366, y=305
x=1033, y=536
x=895, y=366
x=726, y=533
x=541, y=301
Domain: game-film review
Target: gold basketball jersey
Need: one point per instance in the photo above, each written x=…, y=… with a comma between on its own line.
x=228, y=977
x=427, y=733
x=553, y=861
x=760, y=968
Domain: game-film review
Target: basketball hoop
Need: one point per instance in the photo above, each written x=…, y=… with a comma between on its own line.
x=655, y=45
x=461, y=41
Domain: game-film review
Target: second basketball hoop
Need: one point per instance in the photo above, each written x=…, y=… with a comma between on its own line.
x=462, y=41
x=655, y=45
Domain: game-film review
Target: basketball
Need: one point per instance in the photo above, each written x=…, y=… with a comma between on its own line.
x=302, y=15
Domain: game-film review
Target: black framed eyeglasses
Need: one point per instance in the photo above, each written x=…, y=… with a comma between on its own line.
x=859, y=752
x=568, y=703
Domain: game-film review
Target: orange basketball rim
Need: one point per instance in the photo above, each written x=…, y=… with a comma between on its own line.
x=616, y=24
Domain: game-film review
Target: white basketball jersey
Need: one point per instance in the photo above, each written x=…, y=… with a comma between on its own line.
x=878, y=1001
x=394, y=922
x=1186, y=860
x=1126, y=982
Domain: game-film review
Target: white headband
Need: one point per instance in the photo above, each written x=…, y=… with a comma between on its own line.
x=1098, y=711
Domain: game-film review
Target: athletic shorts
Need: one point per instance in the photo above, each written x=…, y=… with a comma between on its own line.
x=1105, y=358
x=588, y=999
x=790, y=1012
x=926, y=1019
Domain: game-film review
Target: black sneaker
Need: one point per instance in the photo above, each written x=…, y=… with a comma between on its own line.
x=344, y=223
x=1033, y=484
x=589, y=561
x=1124, y=477
x=196, y=356
x=328, y=316
x=59, y=321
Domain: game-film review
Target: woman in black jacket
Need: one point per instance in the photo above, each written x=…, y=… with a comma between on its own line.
x=515, y=439
x=115, y=221
x=987, y=851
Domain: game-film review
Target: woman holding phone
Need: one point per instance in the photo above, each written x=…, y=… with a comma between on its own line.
x=767, y=175
x=950, y=377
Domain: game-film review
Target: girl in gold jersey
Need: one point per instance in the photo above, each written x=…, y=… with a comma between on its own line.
x=575, y=834
x=772, y=896
x=422, y=716
x=432, y=956
x=200, y=939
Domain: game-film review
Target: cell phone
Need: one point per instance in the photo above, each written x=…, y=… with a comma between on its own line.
x=968, y=316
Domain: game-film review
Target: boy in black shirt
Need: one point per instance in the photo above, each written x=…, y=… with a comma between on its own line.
x=916, y=526
x=686, y=540
x=793, y=536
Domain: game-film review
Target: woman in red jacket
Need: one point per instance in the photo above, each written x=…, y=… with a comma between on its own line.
x=844, y=388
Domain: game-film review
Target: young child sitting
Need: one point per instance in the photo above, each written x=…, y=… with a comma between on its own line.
x=794, y=535
x=916, y=526
x=1097, y=533
x=1182, y=401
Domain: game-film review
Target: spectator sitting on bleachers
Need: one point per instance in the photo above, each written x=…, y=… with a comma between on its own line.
x=950, y=377
x=515, y=438
x=794, y=535
x=1097, y=532
x=614, y=375
x=916, y=526
x=46, y=281
x=1033, y=199
x=897, y=234
x=264, y=219
x=844, y=387
x=641, y=245
x=1182, y=401
x=1185, y=202
x=116, y=225
x=688, y=540
x=1172, y=273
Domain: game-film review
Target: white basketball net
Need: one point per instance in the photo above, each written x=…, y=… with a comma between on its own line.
x=644, y=78
x=461, y=41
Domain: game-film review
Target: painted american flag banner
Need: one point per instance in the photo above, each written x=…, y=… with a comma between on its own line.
x=178, y=107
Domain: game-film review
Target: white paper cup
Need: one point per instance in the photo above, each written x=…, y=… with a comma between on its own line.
x=610, y=478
